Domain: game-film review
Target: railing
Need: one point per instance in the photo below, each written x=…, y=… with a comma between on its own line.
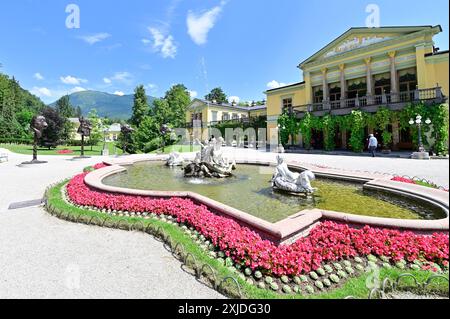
x=245, y=120
x=433, y=94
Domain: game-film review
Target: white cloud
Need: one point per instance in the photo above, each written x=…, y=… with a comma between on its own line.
x=72, y=80
x=232, y=99
x=38, y=76
x=77, y=89
x=94, y=38
x=162, y=43
x=193, y=94
x=122, y=77
x=119, y=93
x=275, y=84
x=199, y=24
x=41, y=92
x=146, y=41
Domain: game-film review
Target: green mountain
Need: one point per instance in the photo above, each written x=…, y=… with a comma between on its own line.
x=107, y=105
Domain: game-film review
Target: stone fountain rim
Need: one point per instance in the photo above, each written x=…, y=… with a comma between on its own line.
x=298, y=224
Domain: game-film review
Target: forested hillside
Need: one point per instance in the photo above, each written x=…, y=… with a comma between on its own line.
x=17, y=108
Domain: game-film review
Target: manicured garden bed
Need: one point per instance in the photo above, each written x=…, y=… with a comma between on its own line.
x=414, y=181
x=332, y=262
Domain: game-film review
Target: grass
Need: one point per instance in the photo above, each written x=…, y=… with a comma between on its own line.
x=355, y=287
x=178, y=148
x=28, y=149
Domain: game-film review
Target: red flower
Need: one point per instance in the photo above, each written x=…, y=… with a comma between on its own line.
x=327, y=242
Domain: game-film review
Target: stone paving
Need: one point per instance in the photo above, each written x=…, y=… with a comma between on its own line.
x=43, y=257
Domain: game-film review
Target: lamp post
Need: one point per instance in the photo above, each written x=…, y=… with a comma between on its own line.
x=418, y=122
x=280, y=147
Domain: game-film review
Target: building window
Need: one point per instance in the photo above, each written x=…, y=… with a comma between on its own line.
x=287, y=104
x=225, y=117
x=214, y=116
x=408, y=81
x=235, y=116
x=357, y=89
x=383, y=84
x=318, y=94
x=335, y=93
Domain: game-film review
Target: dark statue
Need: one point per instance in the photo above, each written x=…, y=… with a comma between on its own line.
x=85, y=131
x=126, y=131
x=38, y=125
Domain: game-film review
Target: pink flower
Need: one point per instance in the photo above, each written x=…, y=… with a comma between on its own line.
x=329, y=241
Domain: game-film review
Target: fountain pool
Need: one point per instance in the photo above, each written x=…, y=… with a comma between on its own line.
x=250, y=191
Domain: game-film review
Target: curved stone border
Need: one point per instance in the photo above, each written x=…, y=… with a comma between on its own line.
x=297, y=225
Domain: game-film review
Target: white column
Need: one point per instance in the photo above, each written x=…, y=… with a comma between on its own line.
x=343, y=84
x=369, y=80
x=325, y=84
x=394, y=77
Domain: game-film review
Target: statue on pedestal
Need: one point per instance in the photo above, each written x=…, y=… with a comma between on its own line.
x=291, y=182
x=85, y=131
x=38, y=125
x=210, y=162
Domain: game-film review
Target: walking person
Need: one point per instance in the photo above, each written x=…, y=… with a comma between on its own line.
x=373, y=144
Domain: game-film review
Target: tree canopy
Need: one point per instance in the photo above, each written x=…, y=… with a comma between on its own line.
x=140, y=107
x=217, y=95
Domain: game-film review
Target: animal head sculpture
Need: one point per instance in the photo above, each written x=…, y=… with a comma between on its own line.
x=38, y=125
x=85, y=127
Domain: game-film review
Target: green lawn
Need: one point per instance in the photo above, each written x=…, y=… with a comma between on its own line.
x=179, y=148
x=28, y=149
x=173, y=235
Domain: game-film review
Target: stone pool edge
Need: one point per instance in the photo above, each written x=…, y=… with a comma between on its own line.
x=297, y=225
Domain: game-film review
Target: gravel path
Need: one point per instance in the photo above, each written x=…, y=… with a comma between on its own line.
x=43, y=257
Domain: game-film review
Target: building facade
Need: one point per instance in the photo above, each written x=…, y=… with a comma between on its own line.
x=366, y=69
x=208, y=114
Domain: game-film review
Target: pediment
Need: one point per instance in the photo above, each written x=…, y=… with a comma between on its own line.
x=358, y=38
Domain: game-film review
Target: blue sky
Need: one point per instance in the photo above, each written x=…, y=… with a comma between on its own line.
x=240, y=45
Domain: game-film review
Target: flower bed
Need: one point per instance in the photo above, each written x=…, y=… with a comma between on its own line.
x=416, y=182
x=326, y=243
x=63, y=152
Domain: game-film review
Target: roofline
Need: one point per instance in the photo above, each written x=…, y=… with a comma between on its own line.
x=437, y=53
x=364, y=28
x=227, y=105
x=284, y=87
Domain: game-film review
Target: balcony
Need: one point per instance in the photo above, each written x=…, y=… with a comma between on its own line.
x=394, y=101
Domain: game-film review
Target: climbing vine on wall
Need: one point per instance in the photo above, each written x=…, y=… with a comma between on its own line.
x=356, y=122
x=306, y=130
x=329, y=131
x=289, y=125
x=357, y=131
x=382, y=119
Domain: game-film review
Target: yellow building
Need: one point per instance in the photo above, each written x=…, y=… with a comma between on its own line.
x=365, y=69
x=208, y=114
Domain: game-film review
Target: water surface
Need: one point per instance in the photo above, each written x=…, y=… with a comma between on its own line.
x=250, y=191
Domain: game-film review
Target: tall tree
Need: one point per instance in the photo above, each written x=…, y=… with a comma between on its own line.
x=217, y=95
x=140, y=107
x=53, y=134
x=66, y=111
x=97, y=128
x=178, y=99
x=64, y=108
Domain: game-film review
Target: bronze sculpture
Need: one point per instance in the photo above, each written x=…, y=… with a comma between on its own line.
x=85, y=131
x=38, y=125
